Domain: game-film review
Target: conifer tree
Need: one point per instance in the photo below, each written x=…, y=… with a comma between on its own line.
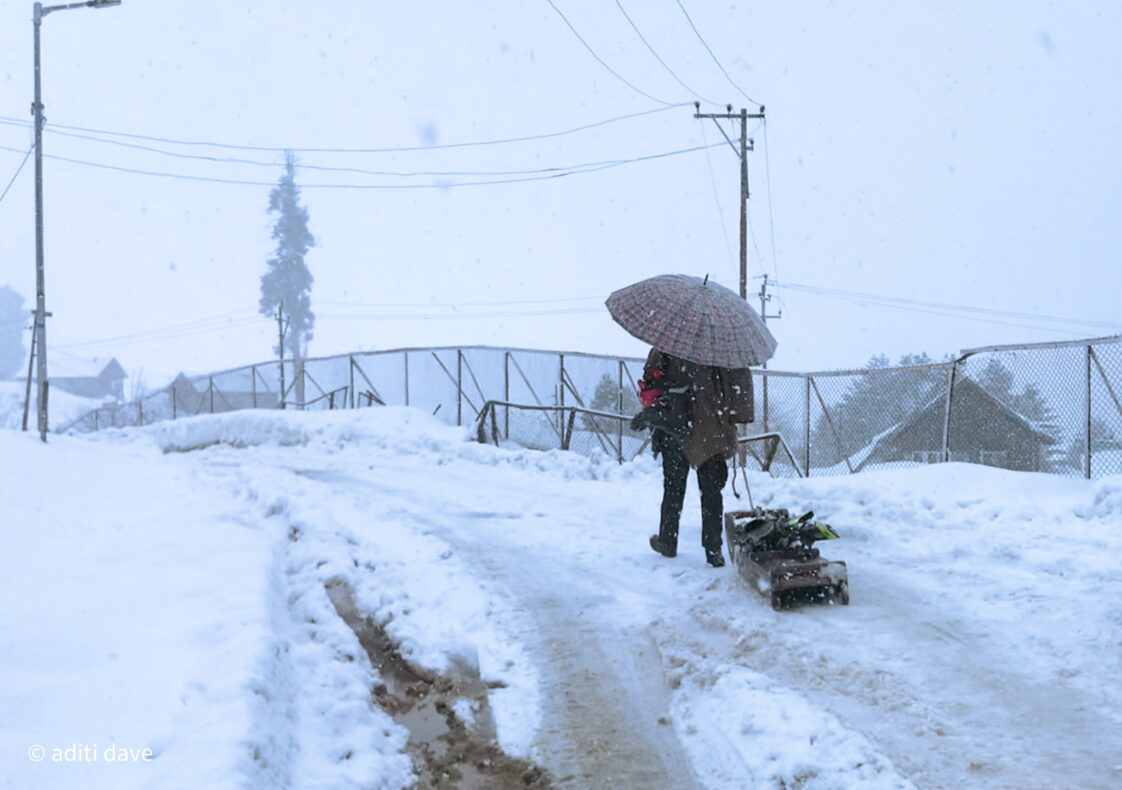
x=287, y=283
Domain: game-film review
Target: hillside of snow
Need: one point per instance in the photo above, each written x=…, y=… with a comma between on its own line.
x=167, y=590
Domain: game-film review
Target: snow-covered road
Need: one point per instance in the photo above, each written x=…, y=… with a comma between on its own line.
x=981, y=649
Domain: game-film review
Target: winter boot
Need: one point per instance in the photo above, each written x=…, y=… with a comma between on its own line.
x=662, y=548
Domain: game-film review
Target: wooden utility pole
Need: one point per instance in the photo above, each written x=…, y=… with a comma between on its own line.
x=30, y=365
x=41, y=381
x=746, y=145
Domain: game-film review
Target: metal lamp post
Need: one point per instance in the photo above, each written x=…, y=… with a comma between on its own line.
x=40, y=296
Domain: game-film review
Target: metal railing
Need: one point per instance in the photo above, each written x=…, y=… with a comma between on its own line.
x=1050, y=407
x=586, y=430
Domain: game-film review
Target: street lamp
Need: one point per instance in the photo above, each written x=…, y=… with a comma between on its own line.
x=40, y=297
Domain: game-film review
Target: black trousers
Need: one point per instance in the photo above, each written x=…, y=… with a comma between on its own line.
x=711, y=478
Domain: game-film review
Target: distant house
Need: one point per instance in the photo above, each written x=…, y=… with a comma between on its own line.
x=983, y=430
x=199, y=399
x=108, y=384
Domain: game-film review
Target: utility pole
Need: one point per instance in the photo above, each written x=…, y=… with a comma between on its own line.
x=30, y=366
x=41, y=314
x=746, y=145
x=282, y=330
x=764, y=299
x=41, y=381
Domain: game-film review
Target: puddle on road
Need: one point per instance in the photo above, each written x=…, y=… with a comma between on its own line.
x=451, y=728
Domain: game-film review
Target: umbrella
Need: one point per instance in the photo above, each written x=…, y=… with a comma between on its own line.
x=694, y=319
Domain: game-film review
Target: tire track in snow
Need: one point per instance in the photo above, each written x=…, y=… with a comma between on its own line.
x=605, y=721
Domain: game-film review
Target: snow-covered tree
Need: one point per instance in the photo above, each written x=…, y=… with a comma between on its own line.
x=606, y=398
x=996, y=379
x=287, y=283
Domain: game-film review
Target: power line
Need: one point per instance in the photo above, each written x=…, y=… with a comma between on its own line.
x=454, y=305
x=710, y=51
x=16, y=174
x=716, y=195
x=642, y=38
x=360, y=171
x=140, y=337
x=601, y=60
x=770, y=212
x=215, y=322
x=240, y=182
x=400, y=149
x=166, y=333
x=923, y=306
x=442, y=316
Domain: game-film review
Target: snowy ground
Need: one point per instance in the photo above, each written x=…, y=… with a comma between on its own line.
x=165, y=591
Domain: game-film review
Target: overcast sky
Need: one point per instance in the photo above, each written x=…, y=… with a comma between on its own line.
x=949, y=153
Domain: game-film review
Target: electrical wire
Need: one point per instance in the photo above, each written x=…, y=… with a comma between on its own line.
x=948, y=309
x=456, y=305
x=161, y=335
x=210, y=323
x=400, y=149
x=601, y=60
x=770, y=212
x=444, y=316
x=669, y=70
x=241, y=182
x=710, y=51
x=716, y=195
x=16, y=174
x=360, y=171
x=151, y=337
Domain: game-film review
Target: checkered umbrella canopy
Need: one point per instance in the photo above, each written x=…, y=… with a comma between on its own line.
x=694, y=319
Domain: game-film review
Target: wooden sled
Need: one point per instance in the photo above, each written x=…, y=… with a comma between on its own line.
x=789, y=575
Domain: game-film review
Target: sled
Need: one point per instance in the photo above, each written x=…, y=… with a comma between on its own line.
x=773, y=553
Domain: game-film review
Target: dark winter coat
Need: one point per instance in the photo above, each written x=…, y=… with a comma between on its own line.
x=718, y=399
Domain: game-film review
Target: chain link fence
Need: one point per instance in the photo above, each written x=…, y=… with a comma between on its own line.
x=1051, y=407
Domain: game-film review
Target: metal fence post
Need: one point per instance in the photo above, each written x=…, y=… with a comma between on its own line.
x=351, y=373
x=171, y=391
x=301, y=383
x=947, y=413
x=140, y=412
x=459, y=386
x=763, y=375
x=619, y=409
x=1087, y=457
x=561, y=381
x=406, y=378
x=210, y=389
x=806, y=425
x=253, y=378
x=506, y=392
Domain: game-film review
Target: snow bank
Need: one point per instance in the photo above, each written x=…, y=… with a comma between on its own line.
x=151, y=605
x=134, y=617
x=386, y=430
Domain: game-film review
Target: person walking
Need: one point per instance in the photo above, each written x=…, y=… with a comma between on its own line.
x=692, y=411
